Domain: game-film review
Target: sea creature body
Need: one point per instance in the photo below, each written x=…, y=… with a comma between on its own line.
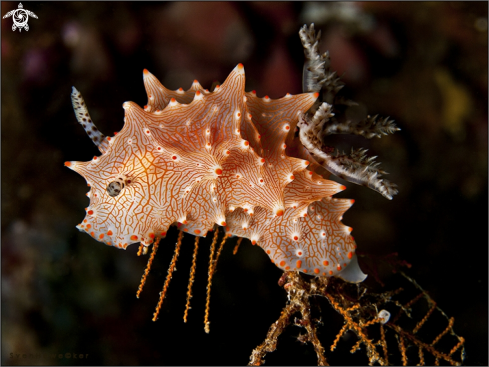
x=198, y=158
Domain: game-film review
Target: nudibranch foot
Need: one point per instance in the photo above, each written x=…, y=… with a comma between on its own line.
x=352, y=273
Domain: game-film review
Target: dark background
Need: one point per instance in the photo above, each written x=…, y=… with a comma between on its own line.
x=423, y=64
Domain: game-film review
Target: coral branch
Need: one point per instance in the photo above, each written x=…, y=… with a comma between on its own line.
x=237, y=245
x=298, y=292
x=356, y=167
x=369, y=127
x=359, y=310
x=209, y=281
x=316, y=72
x=191, y=279
x=169, y=275
x=148, y=266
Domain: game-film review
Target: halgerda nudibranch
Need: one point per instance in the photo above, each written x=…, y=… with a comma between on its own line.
x=197, y=158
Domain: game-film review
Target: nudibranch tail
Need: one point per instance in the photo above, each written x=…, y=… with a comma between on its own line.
x=84, y=119
x=352, y=273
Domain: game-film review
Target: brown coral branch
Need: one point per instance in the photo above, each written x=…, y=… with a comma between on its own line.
x=169, y=275
x=361, y=314
x=209, y=280
x=191, y=278
x=299, y=292
x=148, y=266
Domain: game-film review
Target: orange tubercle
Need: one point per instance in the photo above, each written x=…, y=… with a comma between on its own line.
x=145, y=71
x=316, y=95
x=325, y=263
x=279, y=213
x=134, y=237
x=282, y=263
x=218, y=171
x=67, y=164
x=109, y=233
x=223, y=224
x=350, y=255
x=197, y=231
x=298, y=264
x=173, y=100
x=342, y=187
x=240, y=66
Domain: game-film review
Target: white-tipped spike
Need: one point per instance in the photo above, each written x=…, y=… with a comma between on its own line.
x=239, y=68
x=198, y=96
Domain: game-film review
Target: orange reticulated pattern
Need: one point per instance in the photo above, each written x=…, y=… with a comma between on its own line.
x=197, y=158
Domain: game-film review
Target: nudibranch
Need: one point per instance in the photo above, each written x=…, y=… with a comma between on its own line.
x=198, y=158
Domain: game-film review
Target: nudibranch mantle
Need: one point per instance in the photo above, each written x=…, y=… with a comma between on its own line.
x=199, y=158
